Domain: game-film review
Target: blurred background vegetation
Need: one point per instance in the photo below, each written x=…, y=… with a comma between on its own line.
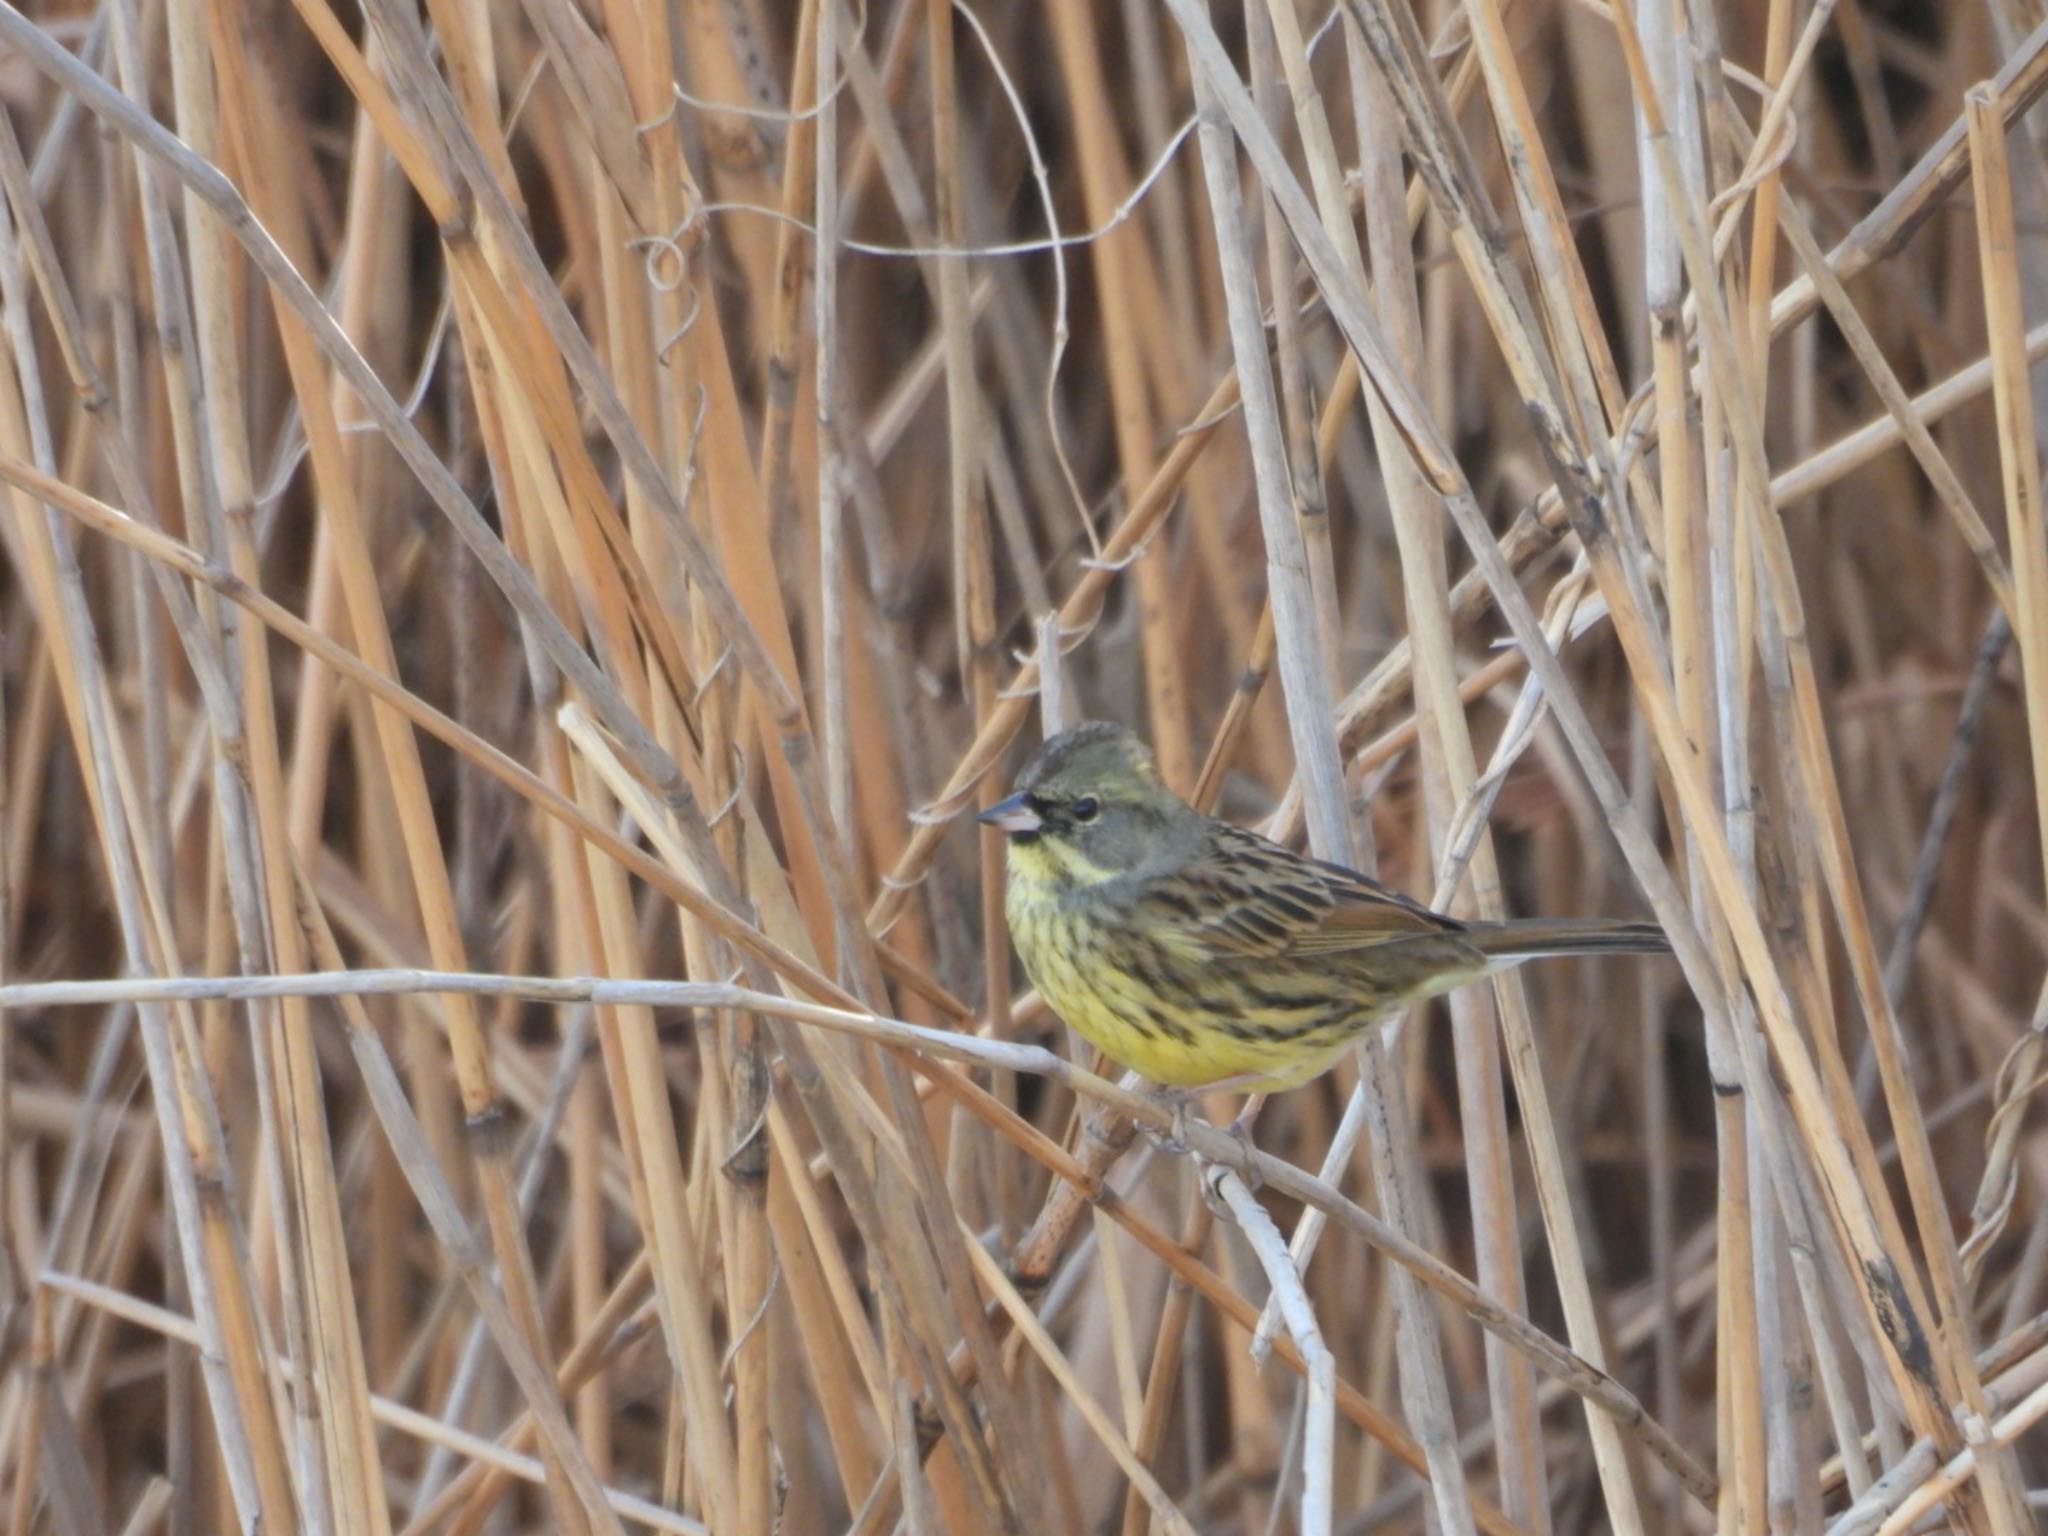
x=605, y=488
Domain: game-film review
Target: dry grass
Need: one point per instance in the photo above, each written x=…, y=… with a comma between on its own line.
x=494, y=521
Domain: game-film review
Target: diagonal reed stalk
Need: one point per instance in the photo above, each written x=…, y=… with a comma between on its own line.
x=528, y=528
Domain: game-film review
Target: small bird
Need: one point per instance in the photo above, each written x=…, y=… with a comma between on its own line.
x=1203, y=955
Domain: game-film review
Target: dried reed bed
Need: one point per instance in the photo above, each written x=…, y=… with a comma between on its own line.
x=531, y=528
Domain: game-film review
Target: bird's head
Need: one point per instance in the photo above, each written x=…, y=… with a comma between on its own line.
x=1090, y=806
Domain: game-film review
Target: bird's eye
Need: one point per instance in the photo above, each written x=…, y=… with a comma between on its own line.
x=1085, y=808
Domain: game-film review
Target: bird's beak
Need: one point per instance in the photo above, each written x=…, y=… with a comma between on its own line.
x=1013, y=816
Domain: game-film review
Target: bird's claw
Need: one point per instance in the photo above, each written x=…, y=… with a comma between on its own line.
x=1246, y=1168
x=1179, y=1103
x=1211, y=1176
x=1175, y=1138
x=1240, y=1131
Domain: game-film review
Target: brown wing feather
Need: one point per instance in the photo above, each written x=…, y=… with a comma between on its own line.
x=1366, y=912
x=1245, y=896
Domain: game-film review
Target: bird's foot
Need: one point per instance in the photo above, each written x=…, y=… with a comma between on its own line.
x=1177, y=1102
x=1246, y=1168
x=1240, y=1130
x=1180, y=1104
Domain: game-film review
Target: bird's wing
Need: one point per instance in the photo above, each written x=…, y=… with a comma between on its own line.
x=1244, y=896
x=1365, y=912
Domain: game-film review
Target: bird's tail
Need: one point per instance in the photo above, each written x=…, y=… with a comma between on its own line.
x=1527, y=939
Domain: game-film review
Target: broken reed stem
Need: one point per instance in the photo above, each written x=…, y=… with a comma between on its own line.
x=1318, y=1447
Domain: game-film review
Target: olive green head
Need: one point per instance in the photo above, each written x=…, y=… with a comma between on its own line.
x=1089, y=806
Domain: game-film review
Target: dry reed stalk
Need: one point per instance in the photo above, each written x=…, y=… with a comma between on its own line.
x=1306, y=686
x=767, y=569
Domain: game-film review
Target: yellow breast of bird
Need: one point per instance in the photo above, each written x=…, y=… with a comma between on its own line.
x=1169, y=1015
